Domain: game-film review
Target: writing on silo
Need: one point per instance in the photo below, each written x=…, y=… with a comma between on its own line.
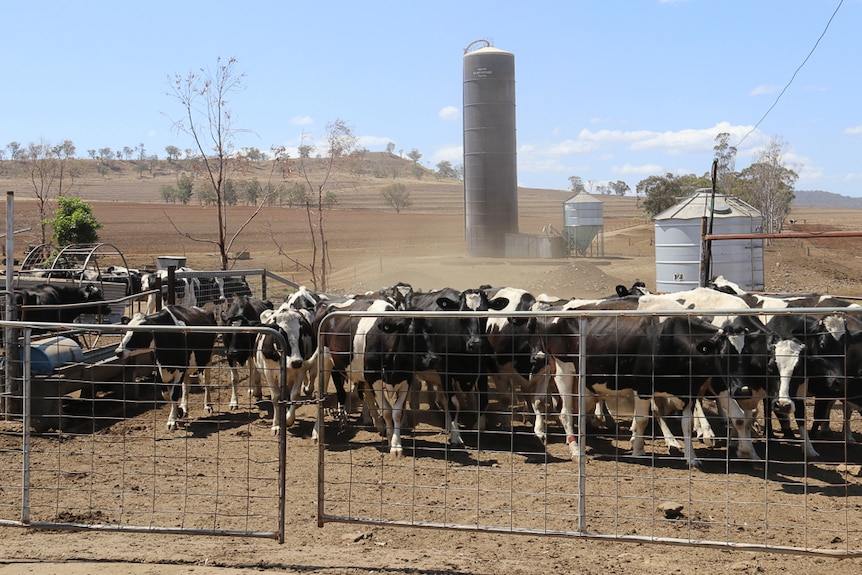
x=490, y=155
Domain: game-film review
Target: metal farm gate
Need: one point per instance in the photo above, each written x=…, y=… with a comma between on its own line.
x=506, y=480
x=84, y=444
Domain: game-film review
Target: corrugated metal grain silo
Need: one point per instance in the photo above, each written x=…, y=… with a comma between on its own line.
x=490, y=155
x=678, y=243
x=583, y=224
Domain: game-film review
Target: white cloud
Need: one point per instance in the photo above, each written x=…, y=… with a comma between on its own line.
x=372, y=142
x=628, y=169
x=763, y=90
x=854, y=131
x=452, y=154
x=449, y=113
x=570, y=147
x=301, y=120
x=672, y=142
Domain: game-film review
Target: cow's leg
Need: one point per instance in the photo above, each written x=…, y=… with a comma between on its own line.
x=234, y=383
x=808, y=446
x=168, y=392
x=482, y=395
x=208, y=406
x=540, y=391
x=310, y=376
x=294, y=388
x=184, y=395
x=640, y=420
x=822, y=409
x=372, y=408
x=254, y=383
x=701, y=425
x=270, y=372
x=392, y=412
x=661, y=407
x=687, y=426
x=741, y=421
x=565, y=380
x=452, y=405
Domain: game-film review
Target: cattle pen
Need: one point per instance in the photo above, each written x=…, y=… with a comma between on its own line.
x=222, y=472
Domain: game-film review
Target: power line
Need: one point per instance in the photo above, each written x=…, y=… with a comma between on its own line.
x=794, y=75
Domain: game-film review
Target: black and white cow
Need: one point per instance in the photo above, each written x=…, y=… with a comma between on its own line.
x=378, y=353
x=814, y=360
x=86, y=299
x=185, y=289
x=119, y=274
x=513, y=344
x=674, y=356
x=298, y=352
x=465, y=357
x=751, y=341
x=218, y=290
x=239, y=346
x=178, y=354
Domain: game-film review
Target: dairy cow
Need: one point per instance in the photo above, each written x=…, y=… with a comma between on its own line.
x=40, y=299
x=239, y=346
x=178, y=354
x=379, y=354
x=465, y=357
x=297, y=349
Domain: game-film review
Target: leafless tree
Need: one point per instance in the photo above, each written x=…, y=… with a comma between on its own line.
x=203, y=96
x=49, y=175
x=320, y=177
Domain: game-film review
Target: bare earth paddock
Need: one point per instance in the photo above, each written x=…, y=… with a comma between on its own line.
x=511, y=504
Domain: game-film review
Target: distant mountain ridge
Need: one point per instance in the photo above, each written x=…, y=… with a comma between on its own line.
x=825, y=199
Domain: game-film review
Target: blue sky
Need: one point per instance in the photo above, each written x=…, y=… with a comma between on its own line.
x=605, y=90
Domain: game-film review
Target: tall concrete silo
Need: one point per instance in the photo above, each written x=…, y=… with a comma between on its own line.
x=490, y=155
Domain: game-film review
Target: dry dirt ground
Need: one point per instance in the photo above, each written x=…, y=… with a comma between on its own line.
x=373, y=249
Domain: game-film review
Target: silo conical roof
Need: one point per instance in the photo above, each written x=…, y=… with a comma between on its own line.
x=697, y=206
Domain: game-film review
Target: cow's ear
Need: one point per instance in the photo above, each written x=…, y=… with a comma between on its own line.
x=622, y=291
x=498, y=303
x=447, y=304
x=706, y=347
x=125, y=320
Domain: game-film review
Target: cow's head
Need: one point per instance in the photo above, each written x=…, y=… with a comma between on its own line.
x=473, y=328
x=134, y=340
x=92, y=294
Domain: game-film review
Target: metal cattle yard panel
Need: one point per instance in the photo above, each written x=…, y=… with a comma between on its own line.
x=85, y=447
x=506, y=480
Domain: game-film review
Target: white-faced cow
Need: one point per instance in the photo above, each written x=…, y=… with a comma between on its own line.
x=298, y=351
x=239, y=346
x=513, y=344
x=178, y=354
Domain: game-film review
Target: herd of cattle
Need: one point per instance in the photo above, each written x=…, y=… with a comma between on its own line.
x=741, y=350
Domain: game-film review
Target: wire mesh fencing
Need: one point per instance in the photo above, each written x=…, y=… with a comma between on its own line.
x=515, y=476
x=84, y=442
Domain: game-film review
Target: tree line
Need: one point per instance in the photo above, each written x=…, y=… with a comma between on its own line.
x=767, y=184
